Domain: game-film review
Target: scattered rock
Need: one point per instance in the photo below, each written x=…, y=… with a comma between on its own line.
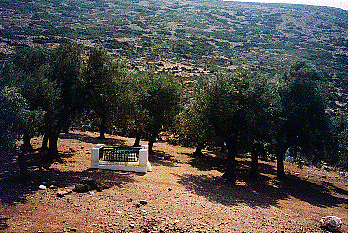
x=42, y=187
x=331, y=222
x=170, y=189
x=62, y=193
x=143, y=202
x=88, y=185
x=53, y=186
x=82, y=188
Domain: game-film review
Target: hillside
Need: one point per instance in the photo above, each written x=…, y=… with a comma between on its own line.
x=208, y=34
x=189, y=38
x=182, y=194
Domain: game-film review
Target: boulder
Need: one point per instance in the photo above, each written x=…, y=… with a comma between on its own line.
x=62, y=193
x=331, y=222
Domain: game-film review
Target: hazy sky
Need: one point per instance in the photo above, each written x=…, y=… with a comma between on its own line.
x=343, y=4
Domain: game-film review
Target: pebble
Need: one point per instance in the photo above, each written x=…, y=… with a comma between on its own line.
x=142, y=202
x=42, y=187
x=62, y=193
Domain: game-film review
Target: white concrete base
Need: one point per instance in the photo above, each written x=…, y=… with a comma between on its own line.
x=143, y=165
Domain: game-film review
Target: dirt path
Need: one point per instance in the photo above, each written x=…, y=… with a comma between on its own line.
x=181, y=194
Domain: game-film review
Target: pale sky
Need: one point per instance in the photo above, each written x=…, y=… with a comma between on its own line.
x=343, y=4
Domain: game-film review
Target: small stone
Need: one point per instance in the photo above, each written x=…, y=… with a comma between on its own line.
x=82, y=188
x=143, y=202
x=62, y=193
x=73, y=229
x=170, y=189
x=131, y=225
x=119, y=212
x=42, y=187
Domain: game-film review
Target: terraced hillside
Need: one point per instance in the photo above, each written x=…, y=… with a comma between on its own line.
x=186, y=37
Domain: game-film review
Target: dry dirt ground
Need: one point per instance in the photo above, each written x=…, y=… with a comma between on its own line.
x=181, y=194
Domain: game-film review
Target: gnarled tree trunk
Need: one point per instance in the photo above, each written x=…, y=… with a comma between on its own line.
x=102, y=127
x=230, y=173
x=254, y=168
x=280, y=164
x=137, y=138
x=53, y=146
x=26, y=142
x=44, y=145
x=198, y=151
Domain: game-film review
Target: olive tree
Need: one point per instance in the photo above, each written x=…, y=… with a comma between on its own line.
x=159, y=98
x=104, y=87
x=240, y=108
x=192, y=121
x=305, y=124
x=15, y=116
x=62, y=74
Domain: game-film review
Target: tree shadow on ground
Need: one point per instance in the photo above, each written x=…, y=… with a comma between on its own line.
x=206, y=162
x=264, y=191
x=14, y=189
x=212, y=161
x=162, y=158
x=94, y=140
x=3, y=224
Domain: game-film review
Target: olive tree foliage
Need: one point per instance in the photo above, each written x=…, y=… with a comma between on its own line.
x=15, y=118
x=63, y=74
x=192, y=121
x=159, y=102
x=105, y=88
x=241, y=109
x=28, y=62
x=340, y=132
x=13, y=110
x=305, y=125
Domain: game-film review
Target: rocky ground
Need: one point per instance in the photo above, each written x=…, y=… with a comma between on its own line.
x=181, y=194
